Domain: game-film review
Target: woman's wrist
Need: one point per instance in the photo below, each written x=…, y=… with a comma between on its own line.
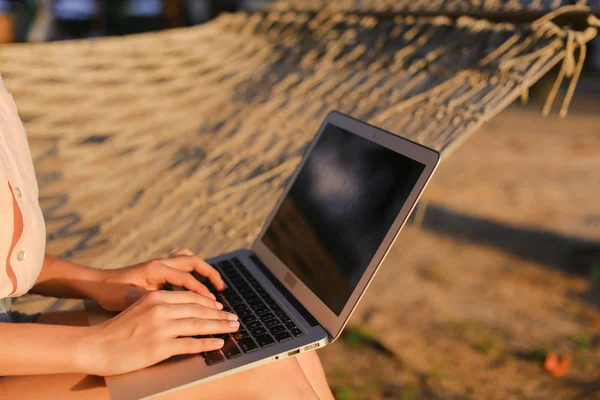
x=85, y=356
x=89, y=352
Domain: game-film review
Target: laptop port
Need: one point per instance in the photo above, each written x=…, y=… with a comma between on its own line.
x=293, y=352
x=311, y=346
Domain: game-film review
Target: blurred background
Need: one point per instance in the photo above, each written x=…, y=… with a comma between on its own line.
x=48, y=20
x=494, y=293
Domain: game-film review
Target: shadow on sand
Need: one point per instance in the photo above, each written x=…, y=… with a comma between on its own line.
x=570, y=254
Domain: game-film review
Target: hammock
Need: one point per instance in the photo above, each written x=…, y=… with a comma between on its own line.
x=185, y=138
x=435, y=6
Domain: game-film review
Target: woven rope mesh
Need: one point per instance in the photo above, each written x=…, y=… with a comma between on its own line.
x=186, y=137
x=433, y=6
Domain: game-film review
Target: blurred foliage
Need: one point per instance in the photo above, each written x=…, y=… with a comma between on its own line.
x=480, y=337
x=346, y=392
x=583, y=340
x=358, y=335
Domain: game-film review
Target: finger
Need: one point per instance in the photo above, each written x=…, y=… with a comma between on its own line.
x=177, y=277
x=194, y=263
x=174, y=347
x=199, y=326
x=183, y=311
x=182, y=252
x=182, y=297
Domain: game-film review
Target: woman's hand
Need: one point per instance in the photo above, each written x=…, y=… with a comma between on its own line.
x=160, y=325
x=154, y=274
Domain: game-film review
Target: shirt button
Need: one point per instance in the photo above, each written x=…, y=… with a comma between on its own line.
x=18, y=192
x=21, y=256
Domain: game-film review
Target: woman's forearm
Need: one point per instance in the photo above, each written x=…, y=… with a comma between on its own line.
x=65, y=279
x=35, y=349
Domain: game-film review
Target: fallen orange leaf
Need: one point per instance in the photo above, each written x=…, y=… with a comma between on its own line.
x=557, y=366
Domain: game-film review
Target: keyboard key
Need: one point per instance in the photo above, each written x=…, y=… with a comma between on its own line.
x=231, y=350
x=255, y=302
x=237, y=302
x=244, y=313
x=282, y=336
x=258, y=331
x=270, y=302
x=231, y=296
x=229, y=272
x=214, y=359
x=296, y=332
x=225, y=264
x=247, y=345
x=276, y=329
x=271, y=323
x=266, y=317
x=254, y=325
x=290, y=325
x=209, y=353
x=240, y=308
x=248, y=319
x=265, y=340
x=275, y=308
x=267, y=298
x=261, y=310
x=227, y=292
x=238, y=282
x=280, y=313
x=240, y=335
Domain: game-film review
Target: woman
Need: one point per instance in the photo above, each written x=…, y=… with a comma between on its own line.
x=154, y=325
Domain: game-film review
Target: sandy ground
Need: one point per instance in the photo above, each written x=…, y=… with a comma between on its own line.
x=468, y=304
x=499, y=274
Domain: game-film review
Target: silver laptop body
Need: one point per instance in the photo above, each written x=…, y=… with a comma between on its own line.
x=317, y=253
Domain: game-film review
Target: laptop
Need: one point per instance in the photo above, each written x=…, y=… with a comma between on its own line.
x=295, y=289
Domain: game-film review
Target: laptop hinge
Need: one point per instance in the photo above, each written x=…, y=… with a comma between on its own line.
x=286, y=293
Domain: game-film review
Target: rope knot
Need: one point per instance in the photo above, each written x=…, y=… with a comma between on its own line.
x=571, y=66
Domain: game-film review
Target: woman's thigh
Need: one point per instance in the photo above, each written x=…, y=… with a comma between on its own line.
x=64, y=386
x=304, y=379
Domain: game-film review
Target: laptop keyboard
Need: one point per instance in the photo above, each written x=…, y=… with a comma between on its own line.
x=262, y=322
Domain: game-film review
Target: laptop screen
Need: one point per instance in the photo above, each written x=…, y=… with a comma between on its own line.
x=338, y=211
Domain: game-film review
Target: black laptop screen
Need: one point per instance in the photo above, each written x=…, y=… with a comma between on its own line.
x=339, y=209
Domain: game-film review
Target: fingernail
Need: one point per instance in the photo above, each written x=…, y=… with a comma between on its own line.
x=232, y=317
x=218, y=305
x=233, y=324
x=212, y=296
x=218, y=342
x=224, y=284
